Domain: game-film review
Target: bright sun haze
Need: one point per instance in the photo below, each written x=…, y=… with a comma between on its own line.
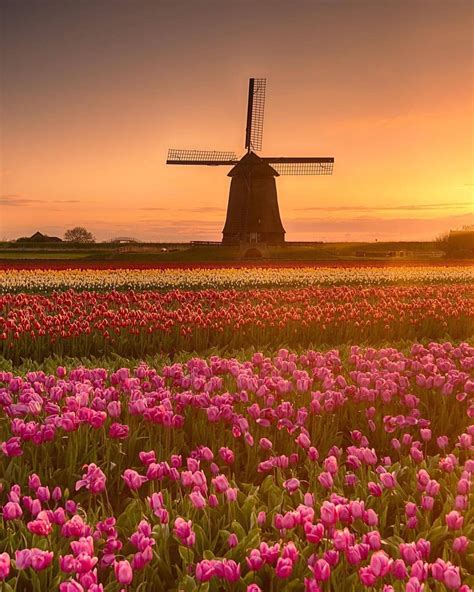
x=94, y=94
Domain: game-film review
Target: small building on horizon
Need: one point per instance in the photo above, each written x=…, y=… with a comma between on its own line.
x=39, y=237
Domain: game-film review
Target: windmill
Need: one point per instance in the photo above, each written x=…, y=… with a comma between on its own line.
x=253, y=215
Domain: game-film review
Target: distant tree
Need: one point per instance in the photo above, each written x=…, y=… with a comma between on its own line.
x=458, y=244
x=79, y=235
x=442, y=240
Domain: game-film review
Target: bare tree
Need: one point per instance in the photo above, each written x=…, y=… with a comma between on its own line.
x=79, y=235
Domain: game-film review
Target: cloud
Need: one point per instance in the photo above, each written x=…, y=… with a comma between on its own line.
x=16, y=201
x=202, y=209
x=67, y=201
x=411, y=207
x=383, y=228
x=206, y=209
x=154, y=209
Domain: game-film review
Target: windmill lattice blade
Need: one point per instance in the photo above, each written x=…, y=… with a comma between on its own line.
x=301, y=166
x=203, y=157
x=255, y=112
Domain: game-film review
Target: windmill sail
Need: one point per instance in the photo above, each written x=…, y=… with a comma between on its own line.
x=306, y=165
x=203, y=157
x=255, y=112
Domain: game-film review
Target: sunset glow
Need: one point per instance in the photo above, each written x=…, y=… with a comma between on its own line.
x=94, y=95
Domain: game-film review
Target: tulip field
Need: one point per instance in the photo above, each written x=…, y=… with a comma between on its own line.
x=237, y=430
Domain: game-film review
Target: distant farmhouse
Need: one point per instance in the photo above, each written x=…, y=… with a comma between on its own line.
x=39, y=237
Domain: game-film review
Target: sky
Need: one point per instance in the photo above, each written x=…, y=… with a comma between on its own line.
x=94, y=92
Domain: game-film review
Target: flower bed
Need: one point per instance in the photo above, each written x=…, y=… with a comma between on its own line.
x=138, y=323
x=203, y=277
x=316, y=471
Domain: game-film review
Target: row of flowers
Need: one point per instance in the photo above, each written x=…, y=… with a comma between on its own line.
x=316, y=471
x=139, y=323
x=14, y=280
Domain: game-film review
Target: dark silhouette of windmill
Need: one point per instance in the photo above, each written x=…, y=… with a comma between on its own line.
x=253, y=215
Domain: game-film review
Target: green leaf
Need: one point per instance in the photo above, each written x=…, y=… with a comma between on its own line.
x=186, y=554
x=238, y=529
x=187, y=584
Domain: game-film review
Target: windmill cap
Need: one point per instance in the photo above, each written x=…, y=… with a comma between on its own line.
x=252, y=165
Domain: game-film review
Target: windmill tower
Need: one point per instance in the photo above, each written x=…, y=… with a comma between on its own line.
x=253, y=215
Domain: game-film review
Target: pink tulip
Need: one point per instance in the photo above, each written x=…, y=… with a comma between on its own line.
x=399, y=569
x=291, y=485
x=94, y=479
x=451, y=578
x=409, y=553
x=419, y=570
x=12, y=511
x=330, y=465
x=12, y=447
x=34, y=481
x=367, y=577
x=463, y=486
x=231, y=494
x=284, y=568
x=425, y=434
x=460, y=544
x=197, y=499
x=67, y=563
x=380, y=563
x=70, y=586
x=205, y=570
x=119, y=431
x=424, y=548
x=321, y=570
x=342, y=539
x=23, y=559
x=123, y=572
x=373, y=539
x=254, y=560
x=442, y=441
x=328, y=514
x=227, y=569
x=413, y=585
x=314, y=532
x=183, y=530
x=265, y=444
x=326, y=480
x=147, y=457
x=227, y=455
x=220, y=483
x=388, y=480
x=41, y=527
x=374, y=489
x=40, y=559
x=4, y=565
x=132, y=479
x=303, y=441
x=461, y=502
x=454, y=520
x=427, y=502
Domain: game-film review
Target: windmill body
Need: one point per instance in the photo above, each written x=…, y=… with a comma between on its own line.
x=253, y=215
x=252, y=211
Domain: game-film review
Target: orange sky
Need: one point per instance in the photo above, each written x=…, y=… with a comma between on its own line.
x=94, y=93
